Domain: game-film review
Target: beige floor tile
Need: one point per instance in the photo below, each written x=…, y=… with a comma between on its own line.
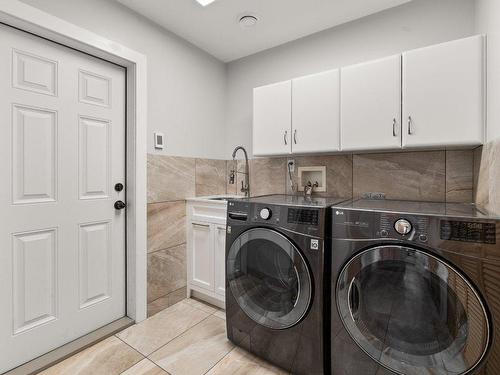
x=201, y=305
x=220, y=314
x=107, y=357
x=163, y=327
x=196, y=350
x=241, y=362
x=145, y=367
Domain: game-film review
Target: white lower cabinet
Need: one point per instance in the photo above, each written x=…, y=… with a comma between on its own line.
x=206, y=250
x=202, y=253
x=220, y=260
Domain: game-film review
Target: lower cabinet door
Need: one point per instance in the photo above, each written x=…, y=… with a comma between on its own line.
x=220, y=259
x=202, y=256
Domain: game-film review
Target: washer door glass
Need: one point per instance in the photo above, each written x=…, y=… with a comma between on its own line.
x=269, y=278
x=411, y=312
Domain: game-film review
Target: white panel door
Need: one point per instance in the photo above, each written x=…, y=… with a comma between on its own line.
x=62, y=243
x=316, y=112
x=220, y=259
x=443, y=94
x=202, y=256
x=272, y=113
x=371, y=105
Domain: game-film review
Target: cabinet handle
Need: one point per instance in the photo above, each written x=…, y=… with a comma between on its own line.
x=394, y=123
x=295, y=136
x=285, y=136
x=409, y=125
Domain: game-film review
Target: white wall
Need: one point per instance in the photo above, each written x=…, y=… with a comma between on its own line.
x=417, y=24
x=488, y=22
x=186, y=86
x=194, y=98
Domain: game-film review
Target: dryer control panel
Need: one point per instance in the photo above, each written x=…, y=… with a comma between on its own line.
x=424, y=229
x=408, y=227
x=468, y=231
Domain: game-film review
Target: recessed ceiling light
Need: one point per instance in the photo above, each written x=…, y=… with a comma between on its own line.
x=247, y=21
x=205, y=2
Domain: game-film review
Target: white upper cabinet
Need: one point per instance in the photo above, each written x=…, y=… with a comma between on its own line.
x=316, y=113
x=431, y=97
x=272, y=118
x=371, y=105
x=443, y=94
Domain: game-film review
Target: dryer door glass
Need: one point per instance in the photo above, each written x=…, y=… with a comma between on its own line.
x=412, y=312
x=269, y=278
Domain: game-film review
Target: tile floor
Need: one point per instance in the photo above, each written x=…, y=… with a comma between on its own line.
x=188, y=338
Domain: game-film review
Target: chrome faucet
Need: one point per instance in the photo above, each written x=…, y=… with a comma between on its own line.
x=245, y=185
x=309, y=188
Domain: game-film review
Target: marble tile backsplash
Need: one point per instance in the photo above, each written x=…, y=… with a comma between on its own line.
x=166, y=271
x=170, y=181
x=210, y=177
x=423, y=175
x=170, y=178
x=166, y=225
x=338, y=174
x=405, y=175
x=487, y=176
x=459, y=176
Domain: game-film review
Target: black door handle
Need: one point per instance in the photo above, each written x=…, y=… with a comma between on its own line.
x=119, y=205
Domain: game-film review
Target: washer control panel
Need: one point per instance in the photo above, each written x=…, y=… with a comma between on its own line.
x=403, y=227
x=413, y=228
x=265, y=213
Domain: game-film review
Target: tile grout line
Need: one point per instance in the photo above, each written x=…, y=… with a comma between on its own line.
x=179, y=335
x=131, y=347
x=220, y=360
x=164, y=296
x=168, y=248
x=445, y=176
x=166, y=201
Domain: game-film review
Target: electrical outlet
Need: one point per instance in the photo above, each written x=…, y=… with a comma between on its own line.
x=291, y=165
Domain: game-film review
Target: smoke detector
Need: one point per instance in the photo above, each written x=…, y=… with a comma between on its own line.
x=248, y=21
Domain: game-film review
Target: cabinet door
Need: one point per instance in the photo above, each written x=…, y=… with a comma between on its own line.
x=443, y=94
x=371, y=105
x=316, y=112
x=202, y=256
x=220, y=259
x=272, y=119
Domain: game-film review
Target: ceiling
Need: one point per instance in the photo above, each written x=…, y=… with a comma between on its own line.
x=215, y=29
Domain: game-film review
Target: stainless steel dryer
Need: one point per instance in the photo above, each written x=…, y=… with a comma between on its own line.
x=415, y=289
x=275, y=267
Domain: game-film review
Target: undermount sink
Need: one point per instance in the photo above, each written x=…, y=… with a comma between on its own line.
x=215, y=198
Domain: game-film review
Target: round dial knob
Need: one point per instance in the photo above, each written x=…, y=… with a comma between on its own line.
x=402, y=226
x=265, y=213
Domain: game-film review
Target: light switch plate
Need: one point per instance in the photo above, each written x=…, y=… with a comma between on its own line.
x=159, y=141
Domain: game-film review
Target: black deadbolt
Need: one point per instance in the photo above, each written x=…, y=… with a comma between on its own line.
x=119, y=186
x=119, y=205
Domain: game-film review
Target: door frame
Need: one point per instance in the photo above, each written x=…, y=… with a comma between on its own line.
x=32, y=20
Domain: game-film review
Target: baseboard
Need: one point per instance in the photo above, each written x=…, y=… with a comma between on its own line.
x=60, y=354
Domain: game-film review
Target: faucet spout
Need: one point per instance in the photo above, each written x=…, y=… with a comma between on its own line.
x=245, y=186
